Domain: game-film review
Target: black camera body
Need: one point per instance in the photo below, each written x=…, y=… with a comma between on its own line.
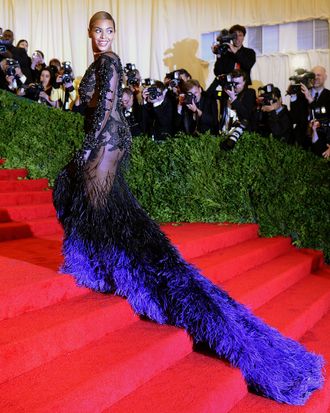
x=131, y=74
x=267, y=94
x=12, y=65
x=175, y=80
x=147, y=82
x=226, y=81
x=153, y=92
x=302, y=76
x=189, y=98
x=221, y=45
x=3, y=44
x=33, y=91
x=67, y=72
x=321, y=115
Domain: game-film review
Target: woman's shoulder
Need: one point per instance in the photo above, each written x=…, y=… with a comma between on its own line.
x=111, y=56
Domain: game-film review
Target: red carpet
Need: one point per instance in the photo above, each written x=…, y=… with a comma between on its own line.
x=67, y=349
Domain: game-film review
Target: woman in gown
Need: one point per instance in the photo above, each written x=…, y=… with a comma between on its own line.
x=111, y=245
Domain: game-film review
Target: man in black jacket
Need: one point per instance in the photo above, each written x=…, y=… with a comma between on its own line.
x=234, y=56
x=197, y=111
x=19, y=54
x=274, y=118
x=158, y=112
x=239, y=114
x=311, y=104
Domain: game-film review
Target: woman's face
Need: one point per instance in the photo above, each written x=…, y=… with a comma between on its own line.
x=24, y=45
x=102, y=34
x=45, y=78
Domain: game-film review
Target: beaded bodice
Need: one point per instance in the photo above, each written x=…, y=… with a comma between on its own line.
x=100, y=90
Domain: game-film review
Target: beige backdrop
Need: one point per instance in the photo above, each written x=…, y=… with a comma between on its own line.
x=160, y=35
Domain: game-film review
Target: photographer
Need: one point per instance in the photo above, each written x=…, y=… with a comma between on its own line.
x=198, y=112
x=19, y=54
x=239, y=114
x=133, y=82
x=132, y=112
x=63, y=91
x=231, y=55
x=37, y=64
x=307, y=94
x=272, y=116
x=12, y=78
x=158, y=112
x=41, y=92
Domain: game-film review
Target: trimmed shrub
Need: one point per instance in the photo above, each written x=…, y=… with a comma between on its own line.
x=283, y=188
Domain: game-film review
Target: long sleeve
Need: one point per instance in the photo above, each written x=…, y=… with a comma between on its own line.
x=102, y=93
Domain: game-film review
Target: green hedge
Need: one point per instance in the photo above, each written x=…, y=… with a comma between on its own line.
x=283, y=188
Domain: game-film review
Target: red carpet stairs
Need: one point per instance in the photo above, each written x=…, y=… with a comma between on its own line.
x=67, y=349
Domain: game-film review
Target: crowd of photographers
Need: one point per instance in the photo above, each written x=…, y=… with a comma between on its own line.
x=179, y=104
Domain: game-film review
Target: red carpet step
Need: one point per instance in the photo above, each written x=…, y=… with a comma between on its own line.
x=67, y=349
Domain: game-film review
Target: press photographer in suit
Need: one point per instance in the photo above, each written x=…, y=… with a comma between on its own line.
x=239, y=113
x=231, y=55
x=197, y=111
x=158, y=112
x=310, y=103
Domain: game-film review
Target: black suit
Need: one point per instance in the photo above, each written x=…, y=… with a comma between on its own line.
x=159, y=121
x=190, y=123
x=302, y=112
x=321, y=108
x=243, y=59
x=24, y=61
x=245, y=106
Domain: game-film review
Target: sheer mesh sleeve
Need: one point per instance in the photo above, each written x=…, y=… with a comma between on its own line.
x=101, y=94
x=107, y=133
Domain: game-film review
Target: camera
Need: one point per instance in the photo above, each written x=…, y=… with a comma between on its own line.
x=175, y=79
x=131, y=74
x=234, y=134
x=147, y=82
x=67, y=72
x=267, y=93
x=3, y=43
x=154, y=92
x=302, y=76
x=189, y=98
x=33, y=91
x=226, y=81
x=320, y=114
x=12, y=65
x=220, y=46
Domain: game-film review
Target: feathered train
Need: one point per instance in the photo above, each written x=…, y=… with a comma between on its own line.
x=111, y=245
x=130, y=256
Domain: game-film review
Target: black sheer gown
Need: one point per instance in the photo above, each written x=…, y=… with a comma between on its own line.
x=111, y=245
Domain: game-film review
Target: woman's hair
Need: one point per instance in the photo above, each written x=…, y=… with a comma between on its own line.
x=51, y=73
x=189, y=84
x=101, y=15
x=21, y=41
x=128, y=91
x=41, y=54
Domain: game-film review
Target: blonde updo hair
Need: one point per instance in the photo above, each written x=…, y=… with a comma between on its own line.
x=101, y=15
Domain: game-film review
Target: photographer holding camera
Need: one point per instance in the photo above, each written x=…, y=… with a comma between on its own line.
x=231, y=55
x=309, y=101
x=158, y=112
x=198, y=112
x=133, y=81
x=132, y=112
x=239, y=113
x=63, y=91
x=12, y=78
x=272, y=115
